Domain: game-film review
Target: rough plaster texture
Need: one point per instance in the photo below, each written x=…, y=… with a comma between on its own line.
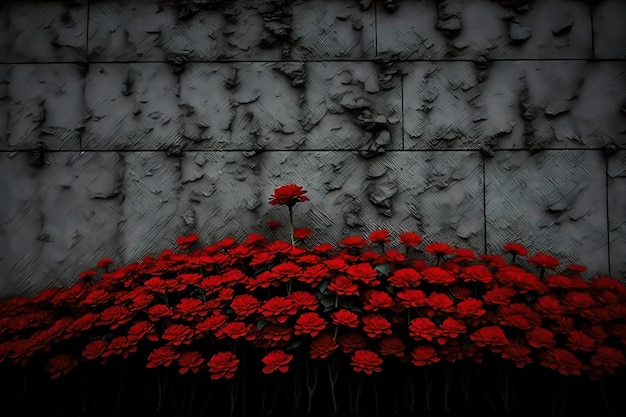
x=125, y=124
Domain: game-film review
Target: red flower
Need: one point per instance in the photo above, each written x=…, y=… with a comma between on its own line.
x=424, y=355
x=162, y=356
x=578, y=300
x=223, y=365
x=539, y=337
x=499, y=295
x=405, y=277
x=579, y=340
x=322, y=346
x=190, y=308
x=515, y=249
x=391, y=345
x=343, y=285
x=519, y=354
x=302, y=232
x=439, y=249
x=345, y=317
x=491, y=336
x=276, y=360
x=363, y=272
x=412, y=298
x=410, y=239
x=288, y=195
x=184, y=242
x=543, y=260
x=355, y=242
x=114, y=316
x=440, y=302
x=548, y=306
x=470, y=307
x=349, y=342
x=104, y=262
x=309, y=323
x=286, y=271
x=94, y=349
x=478, y=273
x=278, y=309
x=190, y=361
x=276, y=332
x=156, y=284
x=177, y=334
x=374, y=300
x=158, y=311
x=304, y=300
x=365, y=361
x=379, y=236
x=120, y=345
x=564, y=361
x=245, y=305
x=60, y=364
x=375, y=325
x=518, y=315
x=423, y=328
x=273, y=224
x=323, y=249
x=608, y=358
x=463, y=255
x=88, y=275
x=451, y=328
x=436, y=275
x=236, y=330
x=142, y=329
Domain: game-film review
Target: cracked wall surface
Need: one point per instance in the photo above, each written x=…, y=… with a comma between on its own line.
x=127, y=123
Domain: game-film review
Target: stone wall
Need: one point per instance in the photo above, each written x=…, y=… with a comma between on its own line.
x=125, y=124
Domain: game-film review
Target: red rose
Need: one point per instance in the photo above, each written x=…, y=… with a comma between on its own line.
x=223, y=365
x=278, y=309
x=276, y=360
x=353, y=242
x=245, y=305
x=470, y=307
x=479, y=273
x=177, y=334
x=365, y=361
x=236, y=330
x=302, y=232
x=343, y=285
x=608, y=358
x=405, y=277
x=349, y=342
x=519, y=354
x=436, y=275
x=579, y=340
x=412, y=298
x=539, y=337
x=374, y=300
x=304, y=300
x=104, y=263
x=288, y=195
x=363, y=272
x=564, y=361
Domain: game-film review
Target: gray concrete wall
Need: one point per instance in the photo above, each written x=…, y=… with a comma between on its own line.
x=125, y=124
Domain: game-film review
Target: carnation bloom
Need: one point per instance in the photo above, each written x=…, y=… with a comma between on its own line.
x=223, y=365
x=288, y=195
x=365, y=361
x=276, y=360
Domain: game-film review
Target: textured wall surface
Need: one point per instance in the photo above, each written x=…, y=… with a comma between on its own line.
x=125, y=124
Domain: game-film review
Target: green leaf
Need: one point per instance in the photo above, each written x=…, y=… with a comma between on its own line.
x=261, y=324
x=294, y=344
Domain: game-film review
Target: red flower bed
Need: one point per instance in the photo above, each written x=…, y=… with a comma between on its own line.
x=357, y=300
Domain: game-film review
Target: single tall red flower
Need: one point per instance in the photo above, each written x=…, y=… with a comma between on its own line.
x=288, y=195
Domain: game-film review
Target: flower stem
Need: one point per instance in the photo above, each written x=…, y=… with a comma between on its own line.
x=293, y=242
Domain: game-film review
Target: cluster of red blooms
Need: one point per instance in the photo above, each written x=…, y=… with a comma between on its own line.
x=350, y=299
